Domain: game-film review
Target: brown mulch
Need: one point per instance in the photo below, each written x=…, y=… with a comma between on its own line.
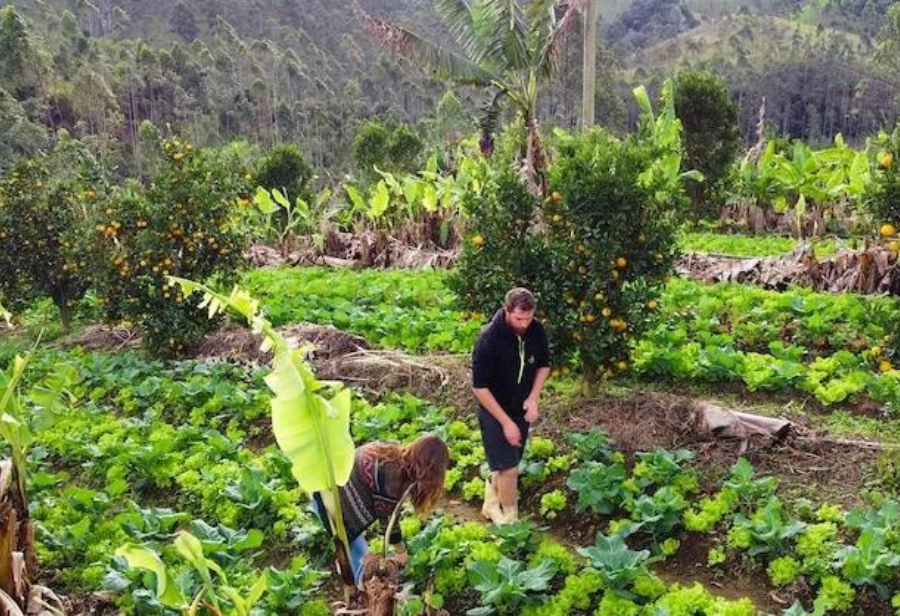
x=871, y=270
x=356, y=250
x=238, y=344
x=103, y=338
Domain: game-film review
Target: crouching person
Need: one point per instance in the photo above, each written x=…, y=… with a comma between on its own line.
x=382, y=473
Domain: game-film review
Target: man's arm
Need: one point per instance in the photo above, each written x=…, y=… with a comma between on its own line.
x=531, y=402
x=510, y=429
x=483, y=374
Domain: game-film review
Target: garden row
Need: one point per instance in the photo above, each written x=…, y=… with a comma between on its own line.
x=835, y=347
x=147, y=449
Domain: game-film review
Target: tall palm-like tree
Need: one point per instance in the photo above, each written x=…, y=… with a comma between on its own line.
x=508, y=46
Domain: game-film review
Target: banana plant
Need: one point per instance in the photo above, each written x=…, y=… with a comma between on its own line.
x=311, y=430
x=374, y=208
x=213, y=590
x=830, y=176
x=664, y=132
x=285, y=220
x=21, y=415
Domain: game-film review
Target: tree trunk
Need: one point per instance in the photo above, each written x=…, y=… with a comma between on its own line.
x=534, y=166
x=589, y=380
x=589, y=64
x=64, y=313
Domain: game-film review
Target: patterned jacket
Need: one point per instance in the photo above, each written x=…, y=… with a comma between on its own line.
x=371, y=494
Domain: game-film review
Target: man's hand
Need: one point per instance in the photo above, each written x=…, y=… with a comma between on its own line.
x=531, y=410
x=512, y=433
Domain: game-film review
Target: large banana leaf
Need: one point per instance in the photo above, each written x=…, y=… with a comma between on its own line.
x=313, y=432
x=140, y=557
x=310, y=429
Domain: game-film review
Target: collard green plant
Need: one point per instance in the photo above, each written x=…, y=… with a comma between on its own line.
x=598, y=486
x=618, y=565
x=508, y=585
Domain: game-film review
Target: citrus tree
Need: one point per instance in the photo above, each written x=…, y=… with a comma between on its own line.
x=187, y=221
x=44, y=204
x=884, y=187
x=612, y=214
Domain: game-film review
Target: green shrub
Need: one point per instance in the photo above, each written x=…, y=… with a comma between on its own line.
x=595, y=252
x=284, y=167
x=186, y=223
x=43, y=208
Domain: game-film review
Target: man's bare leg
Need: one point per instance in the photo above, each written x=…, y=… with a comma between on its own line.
x=507, y=484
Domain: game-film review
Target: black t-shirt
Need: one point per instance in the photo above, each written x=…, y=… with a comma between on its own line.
x=507, y=364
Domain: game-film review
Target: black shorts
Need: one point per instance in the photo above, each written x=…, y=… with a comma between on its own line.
x=500, y=454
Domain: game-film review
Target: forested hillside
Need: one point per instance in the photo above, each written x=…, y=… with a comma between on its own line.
x=308, y=72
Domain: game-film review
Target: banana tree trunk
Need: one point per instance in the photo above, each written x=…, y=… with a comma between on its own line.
x=589, y=64
x=534, y=171
x=18, y=564
x=534, y=164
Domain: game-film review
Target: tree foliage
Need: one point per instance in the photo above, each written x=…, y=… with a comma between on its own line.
x=185, y=222
x=285, y=168
x=391, y=147
x=42, y=213
x=611, y=241
x=710, y=133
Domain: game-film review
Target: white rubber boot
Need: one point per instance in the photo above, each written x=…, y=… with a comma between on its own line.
x=511, y=514
x=491, y=508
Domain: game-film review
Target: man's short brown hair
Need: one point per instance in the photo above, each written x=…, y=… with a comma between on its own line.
x=520, y=298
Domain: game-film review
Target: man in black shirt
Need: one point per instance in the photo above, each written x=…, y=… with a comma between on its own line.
x=510, y=365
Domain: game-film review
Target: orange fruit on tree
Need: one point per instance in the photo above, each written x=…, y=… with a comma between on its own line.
x=478, y=241
x=886, y=160
x=888, y=230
